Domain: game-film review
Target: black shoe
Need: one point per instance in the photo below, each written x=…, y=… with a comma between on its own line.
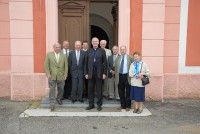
x=74, y=100
x=110, y=99
x=106, y=97
x=90, y=107
x=99, y=108
x=69, y=98
x=81, y=100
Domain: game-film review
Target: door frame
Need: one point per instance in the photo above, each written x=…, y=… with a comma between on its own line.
x=52, y=23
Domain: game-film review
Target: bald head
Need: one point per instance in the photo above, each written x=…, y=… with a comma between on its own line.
x=57, y=47
x=123, y=50
x=115, y=50
x=77, y=45
x=65, y=45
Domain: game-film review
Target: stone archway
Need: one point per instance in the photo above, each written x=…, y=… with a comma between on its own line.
x=99, y=21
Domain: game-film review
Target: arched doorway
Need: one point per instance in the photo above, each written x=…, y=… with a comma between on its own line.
x=76, y=19
x=99, y=33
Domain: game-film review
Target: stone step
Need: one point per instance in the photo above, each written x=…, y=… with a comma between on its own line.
x=68, y=103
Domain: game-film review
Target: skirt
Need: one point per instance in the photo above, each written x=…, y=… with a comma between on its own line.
x=137, y=93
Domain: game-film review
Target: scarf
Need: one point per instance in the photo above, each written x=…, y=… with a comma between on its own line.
x=136, y=69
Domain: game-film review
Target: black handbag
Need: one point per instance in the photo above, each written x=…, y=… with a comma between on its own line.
x=145, y=79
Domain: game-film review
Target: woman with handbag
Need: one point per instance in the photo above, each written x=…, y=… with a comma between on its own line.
x=138, y=71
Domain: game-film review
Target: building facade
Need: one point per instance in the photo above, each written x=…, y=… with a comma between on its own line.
x=166, y=32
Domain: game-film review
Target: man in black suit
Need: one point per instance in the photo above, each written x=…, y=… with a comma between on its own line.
x=85, y=47
x=76, y=67
x=95, y=72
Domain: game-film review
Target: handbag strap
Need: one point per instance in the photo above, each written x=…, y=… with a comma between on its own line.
x=141, y=68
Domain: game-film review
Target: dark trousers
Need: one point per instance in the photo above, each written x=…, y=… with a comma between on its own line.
x=85, y=90
x=98, y=86
x=124, y=91
x=67, y=87
x=77, y=88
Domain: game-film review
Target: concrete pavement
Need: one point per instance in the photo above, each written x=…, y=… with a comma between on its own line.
x=173, y=116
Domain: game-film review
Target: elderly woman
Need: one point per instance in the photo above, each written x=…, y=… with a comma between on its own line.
x=137, y=91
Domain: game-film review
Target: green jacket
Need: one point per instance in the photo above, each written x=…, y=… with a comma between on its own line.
x=58, y=71
x=117, y=67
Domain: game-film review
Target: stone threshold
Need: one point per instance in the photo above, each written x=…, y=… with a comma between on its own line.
x=77, y=109
x=41, y=112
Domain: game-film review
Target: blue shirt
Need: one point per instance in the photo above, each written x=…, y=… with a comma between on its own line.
x=125, y=70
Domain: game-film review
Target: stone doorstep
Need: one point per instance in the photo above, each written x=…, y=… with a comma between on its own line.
x=41, y=112
x=68, y=103
x=77, y=109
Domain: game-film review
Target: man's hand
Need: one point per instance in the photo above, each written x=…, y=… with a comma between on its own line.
x=64, y=78
x=49, y=77
x=104, y=76
x=113, y=72
x=86, y=76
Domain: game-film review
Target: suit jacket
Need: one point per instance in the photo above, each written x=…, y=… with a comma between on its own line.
x=101, y=63
x=108, y=53
x=76, y=70
x=57, y=70
x=66, y=51
x=67, y=57
x=110, y=65
x=117, y=67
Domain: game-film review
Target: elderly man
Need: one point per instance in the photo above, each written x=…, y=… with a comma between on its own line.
x=76, y=67
x=95, y=72
x=112, y=85
x=65, y=48
x=103, y=44
x=68, y=82
x=122, y=65
x=56, y=69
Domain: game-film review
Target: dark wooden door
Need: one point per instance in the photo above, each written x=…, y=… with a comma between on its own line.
x=73, y=21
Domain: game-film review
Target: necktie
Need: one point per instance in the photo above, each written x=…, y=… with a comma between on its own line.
x=122, y=65
x=57, y=57
x=95, y=56
x=78, y=56
x=114, y=57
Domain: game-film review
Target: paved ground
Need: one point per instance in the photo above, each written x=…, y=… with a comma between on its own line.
x=169, y=117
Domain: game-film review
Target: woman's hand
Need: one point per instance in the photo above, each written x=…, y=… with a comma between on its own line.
x=140, y=75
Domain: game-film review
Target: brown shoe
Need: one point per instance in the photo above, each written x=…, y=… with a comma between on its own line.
x=127, y=109
x=135, y=110
x=139, y=111
x=52, y=107
x=119, y=108
x=59, y=101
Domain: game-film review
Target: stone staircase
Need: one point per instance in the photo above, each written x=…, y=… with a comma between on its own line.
x=77, y=104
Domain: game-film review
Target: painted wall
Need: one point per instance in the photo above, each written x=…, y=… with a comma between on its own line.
x=5, y=51
x=162, y=39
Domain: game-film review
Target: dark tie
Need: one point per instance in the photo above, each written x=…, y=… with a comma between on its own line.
x=122, y=65
x=94, y=57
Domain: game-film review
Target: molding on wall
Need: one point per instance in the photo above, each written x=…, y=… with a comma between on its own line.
x=183, y=69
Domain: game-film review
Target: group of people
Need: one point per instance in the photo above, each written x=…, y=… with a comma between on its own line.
x=89, y=72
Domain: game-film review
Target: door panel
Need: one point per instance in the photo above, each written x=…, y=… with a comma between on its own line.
x=73, y=21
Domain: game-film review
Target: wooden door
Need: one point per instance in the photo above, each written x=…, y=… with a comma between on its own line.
x=73, y=21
